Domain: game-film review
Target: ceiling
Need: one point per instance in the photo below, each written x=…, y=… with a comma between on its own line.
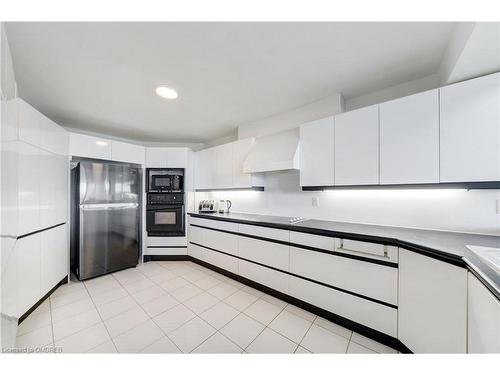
x=100, y=77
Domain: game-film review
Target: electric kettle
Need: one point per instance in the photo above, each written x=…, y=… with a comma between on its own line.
x=224, y=205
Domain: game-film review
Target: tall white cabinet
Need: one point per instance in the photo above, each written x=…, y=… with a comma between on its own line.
x=409, y=139
x=432, y=311
x=357, y=147
x=470, y=130
x=317, y=152
x=35, y=183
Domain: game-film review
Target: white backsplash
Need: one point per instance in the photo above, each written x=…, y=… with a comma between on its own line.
x=443, y=209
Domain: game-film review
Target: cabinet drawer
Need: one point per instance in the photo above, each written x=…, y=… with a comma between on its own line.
x=368, y=279
x=166, y=251
x=223, y=261
x=216, y=224
x=367, y=249
x=268, y=253
x=221, y=241
x=195, y=234
x=371, y=314
x=195, y=251
x=265, y=276
x=274, y=234
x=312, y=240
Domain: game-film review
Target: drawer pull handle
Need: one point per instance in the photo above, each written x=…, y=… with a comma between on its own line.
x=341, y=247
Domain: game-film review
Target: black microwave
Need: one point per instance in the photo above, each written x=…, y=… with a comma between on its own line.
x=164, y=180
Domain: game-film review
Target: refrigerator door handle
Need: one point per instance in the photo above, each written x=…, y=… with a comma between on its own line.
x=108, y=206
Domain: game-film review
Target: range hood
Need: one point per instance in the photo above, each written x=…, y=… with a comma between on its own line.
x=276, y=152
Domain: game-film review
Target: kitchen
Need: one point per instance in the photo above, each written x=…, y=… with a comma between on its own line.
x=157, y=217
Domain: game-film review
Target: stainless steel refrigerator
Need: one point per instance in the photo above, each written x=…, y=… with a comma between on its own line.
x=105, y=217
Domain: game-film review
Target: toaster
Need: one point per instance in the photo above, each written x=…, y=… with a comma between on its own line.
x=207, y=205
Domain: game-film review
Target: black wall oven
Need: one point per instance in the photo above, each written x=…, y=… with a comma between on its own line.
x=165, y=214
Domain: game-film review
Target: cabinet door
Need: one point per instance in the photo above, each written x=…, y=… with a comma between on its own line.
x=28, y=123
x=432, y=315
x=483, y=318
x=156, y=157
x=317, y=153
x=205, y=161
x=263, y=275
x=28, y=272
x=29, y=175
x=89, y=147
x=61, y=167
x=470, y=130
x=47, y=184
x=127, y=152
x=177, y=157
x=224, y=166
x=409, y=139
x=54, y=257
x=241, y=149
x=356, y=147
x=54, y=138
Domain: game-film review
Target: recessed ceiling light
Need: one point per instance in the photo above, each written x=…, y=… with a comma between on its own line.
x=101, y=143
x=166, y=92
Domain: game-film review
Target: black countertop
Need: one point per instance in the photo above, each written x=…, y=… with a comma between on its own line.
x=450, y=247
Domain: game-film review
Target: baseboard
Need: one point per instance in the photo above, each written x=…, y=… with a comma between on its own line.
x=40, y=301
x=344, y=322
x=149, y=258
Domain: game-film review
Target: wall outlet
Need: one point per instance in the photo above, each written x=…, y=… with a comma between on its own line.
x=315, y=202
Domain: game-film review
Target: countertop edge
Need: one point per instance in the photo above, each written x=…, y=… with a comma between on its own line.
x=444, y=256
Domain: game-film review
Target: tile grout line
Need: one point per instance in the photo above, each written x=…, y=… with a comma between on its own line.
x=102, y=321
x=126, y=290
x=52, y=325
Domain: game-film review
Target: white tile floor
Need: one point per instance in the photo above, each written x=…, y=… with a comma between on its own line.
x=180, y=307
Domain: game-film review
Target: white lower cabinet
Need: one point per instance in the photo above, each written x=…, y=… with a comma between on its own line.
x=195, y=251
x=483, y=318
x=371, y=314
x=265, y=252
x=220, y=260
x=28, y=260
x=225, y=242
x=265, y=276
x=432, y=305
x=368, y=279
x=53, y=257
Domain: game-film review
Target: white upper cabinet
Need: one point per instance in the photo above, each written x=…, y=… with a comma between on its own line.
x=317, y=153
x=432, y=311
x=223, y=178
x=357, y=147
x=128, y=153
x=29, y=120
x=166, y=157
x=54, y=138
x=483, y=318
x=409, y=139
x=470, y=130
x=177, y=157
x=156, y=157
x=221, y=167
x=205, y=162
x=241, y=149
x=89, y=147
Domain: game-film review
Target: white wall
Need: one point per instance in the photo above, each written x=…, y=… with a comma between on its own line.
x=455, y=210
x=291, y=119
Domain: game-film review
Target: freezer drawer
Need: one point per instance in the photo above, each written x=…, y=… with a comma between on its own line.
x=108, y=239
